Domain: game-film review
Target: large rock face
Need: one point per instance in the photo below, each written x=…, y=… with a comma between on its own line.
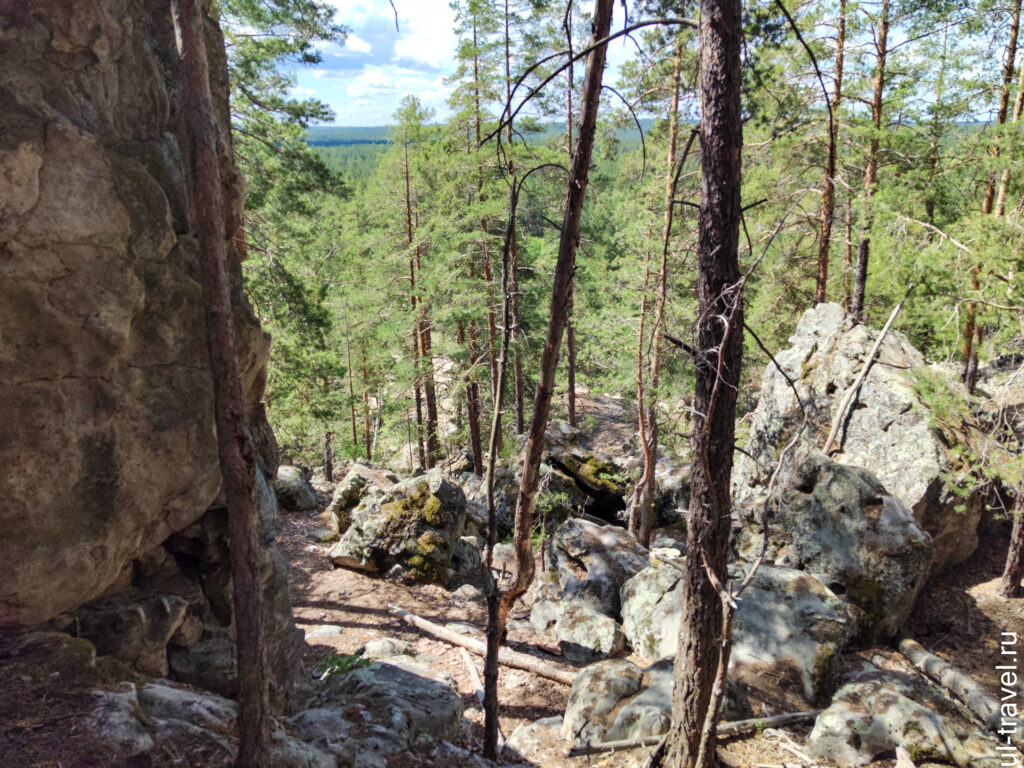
x=107, y=438
x=890, y=430
x=839, y=524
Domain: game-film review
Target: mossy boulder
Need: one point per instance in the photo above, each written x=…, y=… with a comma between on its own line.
x=414, y=525
x=600, y=480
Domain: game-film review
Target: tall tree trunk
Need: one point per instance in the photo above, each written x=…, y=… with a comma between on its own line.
x=871, y=168
x=417, y=322
x=718, y=362
x=433, y=447
x=352, y=399
x=1004, y=181
x=519, y=385
x=234, y=443
x=329, y=456
x=570, y=363
x=567, y=244
x=828, y=194
x=493, y=596
x=936, y=137
x=848, y=269
x=1014, y=571
x=366, y=409
x=972, y=327
x=472, y=397
x=648, y=482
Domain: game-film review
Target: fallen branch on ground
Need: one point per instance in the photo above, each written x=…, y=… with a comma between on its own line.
x=507, y=657
x=724, y=731
x=965, y=688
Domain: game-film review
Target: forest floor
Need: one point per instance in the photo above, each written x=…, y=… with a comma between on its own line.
x=958, y=615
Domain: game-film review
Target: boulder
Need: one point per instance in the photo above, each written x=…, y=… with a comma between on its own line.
x=838, y=523
x=602, y=483
x=787, y=631
x=414, y=526
x=595, y=692
x=877, y=711
x=577, y=598
x=348, y=493
x=588, y=564
x=134, y=628
x=892, y=429
x=108, y=438
x=532, y=740
x=411, y=697
x=293, y=489
x=649, y=713
x=583, y=634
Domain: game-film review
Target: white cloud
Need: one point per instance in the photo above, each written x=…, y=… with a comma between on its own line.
x=303, y=93
x=355, y=43
x=371, y=82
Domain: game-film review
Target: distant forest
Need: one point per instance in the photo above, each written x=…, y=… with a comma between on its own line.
x=352, y=151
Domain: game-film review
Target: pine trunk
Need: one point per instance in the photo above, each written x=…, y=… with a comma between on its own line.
x=234, y=443
x=718, y=362
x=871, y=168
x=1014, y=571
x=828, y=193
x=564, y=267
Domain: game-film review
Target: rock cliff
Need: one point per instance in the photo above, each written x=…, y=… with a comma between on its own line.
x=106, y=434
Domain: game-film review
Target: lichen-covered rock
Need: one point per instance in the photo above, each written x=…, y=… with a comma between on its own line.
x=415, y=526
x=349, y=492
x=530, y=740
x=108, y=442
x=293, y=489
x=595, y=692
x=877, y=711
x=114, y=719
x=588, y=563
x=601, y=482
x=412, y=697
x=583, y=634
x=890, y=431
x=787, y=624
x=649, y=713
x=651, y=607
x=838, y=523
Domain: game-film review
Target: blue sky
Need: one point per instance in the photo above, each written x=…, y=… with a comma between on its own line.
x=364, y=79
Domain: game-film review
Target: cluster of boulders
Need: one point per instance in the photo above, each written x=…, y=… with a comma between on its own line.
x=383, y=706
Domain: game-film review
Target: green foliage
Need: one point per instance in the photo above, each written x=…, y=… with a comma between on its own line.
x=341, y=664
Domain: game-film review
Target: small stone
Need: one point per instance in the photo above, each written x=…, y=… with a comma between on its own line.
x=467, y=592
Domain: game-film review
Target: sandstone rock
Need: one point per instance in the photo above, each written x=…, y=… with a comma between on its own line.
x=583, y=634
x=877, y=711
x=838, y=523
x=293, y=489
x=415, y=525
x=890, y=431
x=104, y=338
x=651, y=607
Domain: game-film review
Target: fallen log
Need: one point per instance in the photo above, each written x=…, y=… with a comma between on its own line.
x=506, y=656
x=724, y=731
x=478, y=688
x=966, y=689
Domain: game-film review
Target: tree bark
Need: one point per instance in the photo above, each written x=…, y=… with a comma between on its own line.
x=718, y=361
x=828, y=194
x=972, y=328
x=1014, y=571
x=1004, y=181
x=352, y=398
x=519, y=385
x=871, y=168
x=564, y=267
x=366, y=409
x=234, y=443
x=472, y=398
